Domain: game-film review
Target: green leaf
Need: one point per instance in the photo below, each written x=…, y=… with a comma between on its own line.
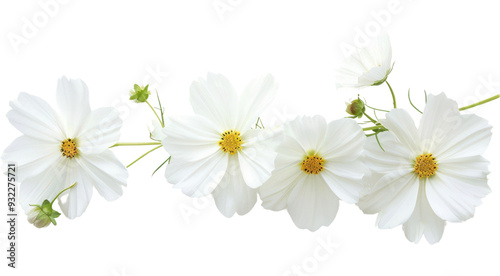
x=55, y=214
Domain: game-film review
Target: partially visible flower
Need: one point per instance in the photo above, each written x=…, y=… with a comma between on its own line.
x=42, y=216
x=59, y=149
x=216, y=151
x=140, y=94
x=317, y=164
x=356, y=108
x=429, y=175
x=367, y=66
x=158, y=133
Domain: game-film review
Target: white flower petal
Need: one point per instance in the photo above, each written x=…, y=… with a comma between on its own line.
x=289, y=151
x=275, y=191
x=399, y=123
x=215, y=99
x=457, y=187
x=375, y=75
x=35, y=118
x=440, y=116
x=32, y=156
x=423, y=221
x=191, y=138
x=232, y=195
x=100, y=130
x=308, y=131
x=312, y=203
x=385, y=191
x=393, y=158
x=400, y=208
x=345, y=179
x=158, y=133
x=78, y=197
x=469, y=138
x=345, y=141
x=73, y=100
x=46, y=185
x=197, y=178
x=256, y=97
x=256, y=158
x=106, y=173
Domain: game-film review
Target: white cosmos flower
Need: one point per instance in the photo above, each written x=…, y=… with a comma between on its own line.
x=317, y=164
x=431, y=174
x=59, y=149
x=216, y=151
x=367, y=66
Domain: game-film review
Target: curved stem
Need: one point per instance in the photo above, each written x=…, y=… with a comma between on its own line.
x=480, y=103
x=161, y=122
x=140, y=157
x=392, y=93
x=378, y=109
x=136, y=144
x=52, y=202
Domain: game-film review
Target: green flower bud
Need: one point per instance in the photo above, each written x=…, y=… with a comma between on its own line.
x=42, y=216
x=139, y=94
x=356, y=108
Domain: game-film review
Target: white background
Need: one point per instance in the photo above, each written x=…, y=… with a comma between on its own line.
x=449, y=46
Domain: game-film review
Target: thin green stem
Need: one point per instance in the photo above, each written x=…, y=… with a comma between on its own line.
x=161, y=123
x=480, y=103
x=136, y=144
x=392, y=93
x=370, y=118
x=161, y=110
x=140, y=157
x=373, y=127
x=168, y=160
x=378, y=109
x=52, y=202
x=409, y=99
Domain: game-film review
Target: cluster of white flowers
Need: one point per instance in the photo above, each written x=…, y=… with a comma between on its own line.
x=417, y=177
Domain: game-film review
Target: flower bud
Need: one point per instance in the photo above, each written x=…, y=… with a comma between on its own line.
x=42, y=216
x=139, y=94
x=356, y=108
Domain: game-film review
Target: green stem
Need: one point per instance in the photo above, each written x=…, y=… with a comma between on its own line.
x=143, y=155
x=136, y=144
x=378, y=109
x=61, y=193
x=373, y=127
x=161, y=122
x=371, y=119
x=480, y=103
x=392, y=93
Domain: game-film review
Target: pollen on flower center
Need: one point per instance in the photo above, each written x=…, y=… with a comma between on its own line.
x=426, y=165
x=230, y=141
x=313, y=164
x=68, y=148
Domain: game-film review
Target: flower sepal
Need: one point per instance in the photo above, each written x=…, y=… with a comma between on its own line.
x=42, y=216
x=139, y=94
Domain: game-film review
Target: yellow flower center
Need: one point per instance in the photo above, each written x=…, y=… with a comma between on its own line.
x=230, y=141
x=425, y=165
x=313, y=164
x=68, y=148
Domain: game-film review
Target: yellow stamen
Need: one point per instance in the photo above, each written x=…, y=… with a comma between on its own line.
x=230, y=141
x=313, y=164
x=68, y=148
x=425, y=165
